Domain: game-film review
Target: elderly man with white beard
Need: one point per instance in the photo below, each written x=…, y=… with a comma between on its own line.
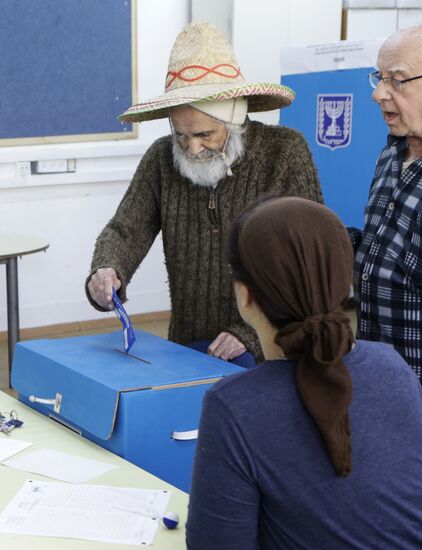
x=192, y=184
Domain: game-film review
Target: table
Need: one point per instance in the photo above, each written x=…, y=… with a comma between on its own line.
x=11, y=247
x=45, y=433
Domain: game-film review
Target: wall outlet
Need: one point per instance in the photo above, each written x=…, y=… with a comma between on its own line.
x=56, y=166
x=23, y=169
x=50, y=166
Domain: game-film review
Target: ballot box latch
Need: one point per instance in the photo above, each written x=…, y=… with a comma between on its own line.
x=57, y=401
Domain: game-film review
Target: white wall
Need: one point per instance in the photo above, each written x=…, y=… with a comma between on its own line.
x=259, y=28
x=69, y=210
x=367, y=22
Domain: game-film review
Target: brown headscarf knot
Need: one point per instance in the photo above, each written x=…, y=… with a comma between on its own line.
x=306, y=275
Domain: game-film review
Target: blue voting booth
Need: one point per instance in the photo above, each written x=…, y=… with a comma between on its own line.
x=341, y=123
x=144, y=406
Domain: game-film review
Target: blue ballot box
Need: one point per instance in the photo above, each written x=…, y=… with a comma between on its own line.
x=341, y=123
x=144, y=406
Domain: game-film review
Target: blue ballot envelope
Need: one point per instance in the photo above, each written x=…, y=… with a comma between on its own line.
x=128, y=331
x=144, y=406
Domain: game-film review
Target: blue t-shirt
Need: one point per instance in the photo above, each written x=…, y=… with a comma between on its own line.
x=263, y=479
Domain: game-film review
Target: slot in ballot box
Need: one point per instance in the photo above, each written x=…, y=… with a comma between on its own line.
x=144, y=406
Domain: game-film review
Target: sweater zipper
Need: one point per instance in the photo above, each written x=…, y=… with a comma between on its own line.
x=211, y=202
x=212, y=207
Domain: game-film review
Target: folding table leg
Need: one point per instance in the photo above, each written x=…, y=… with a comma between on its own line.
x=12, y=308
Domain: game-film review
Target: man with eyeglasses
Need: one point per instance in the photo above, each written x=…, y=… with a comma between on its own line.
x=388, y=261
x=192, y=184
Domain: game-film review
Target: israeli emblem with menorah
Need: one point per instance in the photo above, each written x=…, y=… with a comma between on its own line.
x=334, y=120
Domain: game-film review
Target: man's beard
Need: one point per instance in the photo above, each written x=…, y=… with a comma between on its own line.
x=208, y=167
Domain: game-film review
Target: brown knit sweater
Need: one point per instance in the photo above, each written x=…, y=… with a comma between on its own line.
x=195, y=222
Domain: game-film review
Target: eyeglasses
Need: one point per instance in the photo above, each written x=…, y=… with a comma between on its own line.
x=393, y=83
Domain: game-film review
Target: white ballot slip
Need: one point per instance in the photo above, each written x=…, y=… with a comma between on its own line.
x=58, y=465
x=9, y=447
x=92, y=512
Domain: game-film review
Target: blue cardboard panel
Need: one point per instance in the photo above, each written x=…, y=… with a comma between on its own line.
x=125, y=405
x=144, y=425
x=101, y=358
x=86, y=403
x=90, y=372
x=345, y=172
x=180, y=412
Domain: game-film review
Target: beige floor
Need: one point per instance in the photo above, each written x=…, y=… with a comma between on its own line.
x=158, y=328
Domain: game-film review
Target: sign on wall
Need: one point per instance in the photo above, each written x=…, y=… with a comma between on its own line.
x=341, y=123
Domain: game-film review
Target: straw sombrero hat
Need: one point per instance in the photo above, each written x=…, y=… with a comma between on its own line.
x=203, y=67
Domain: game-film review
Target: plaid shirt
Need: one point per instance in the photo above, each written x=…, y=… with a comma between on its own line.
x=388, y=261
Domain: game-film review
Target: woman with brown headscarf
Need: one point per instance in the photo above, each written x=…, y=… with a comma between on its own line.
x=320, y=447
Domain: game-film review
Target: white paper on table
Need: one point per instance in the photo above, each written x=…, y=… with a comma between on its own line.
x=9, y=447
x=58, y=465
x=92, y=512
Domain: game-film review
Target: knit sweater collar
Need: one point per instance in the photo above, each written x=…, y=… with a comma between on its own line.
x=252, y=141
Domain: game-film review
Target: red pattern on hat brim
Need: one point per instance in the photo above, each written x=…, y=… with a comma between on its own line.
x=261, y=97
